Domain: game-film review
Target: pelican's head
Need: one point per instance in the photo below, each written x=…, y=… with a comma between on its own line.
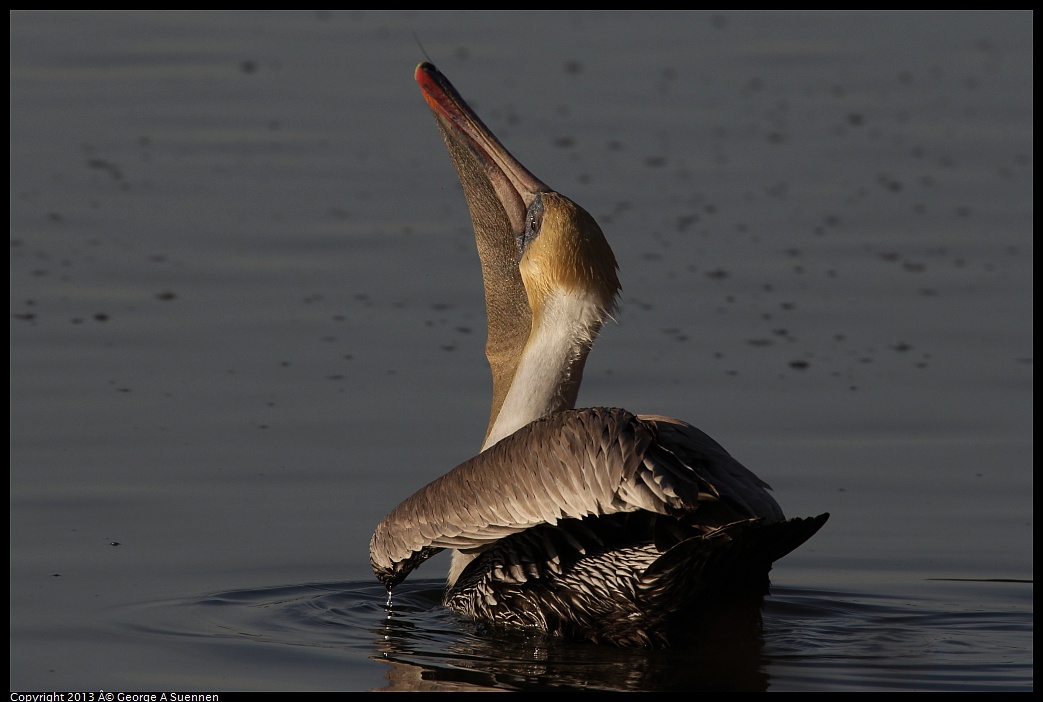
x=563, y=252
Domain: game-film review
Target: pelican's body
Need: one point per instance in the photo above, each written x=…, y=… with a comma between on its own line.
x=597, y=523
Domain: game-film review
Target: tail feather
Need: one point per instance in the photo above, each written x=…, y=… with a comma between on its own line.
x=734, y=558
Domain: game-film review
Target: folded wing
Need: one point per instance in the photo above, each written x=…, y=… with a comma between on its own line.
x=574, y=464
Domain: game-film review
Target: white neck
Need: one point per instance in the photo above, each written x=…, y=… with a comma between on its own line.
x=551, y=367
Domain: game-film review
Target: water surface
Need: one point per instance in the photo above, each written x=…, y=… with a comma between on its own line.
x=246, y=321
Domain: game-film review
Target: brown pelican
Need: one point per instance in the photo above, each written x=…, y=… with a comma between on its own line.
x=595, y=524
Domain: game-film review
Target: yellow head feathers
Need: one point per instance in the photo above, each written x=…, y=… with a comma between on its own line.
x=568, y=253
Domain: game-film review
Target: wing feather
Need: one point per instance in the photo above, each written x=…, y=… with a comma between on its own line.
x=567, y=465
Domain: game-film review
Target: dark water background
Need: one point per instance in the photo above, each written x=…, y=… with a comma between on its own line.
x=246, y=321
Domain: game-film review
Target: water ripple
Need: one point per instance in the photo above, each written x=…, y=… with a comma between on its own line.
x=812, y=639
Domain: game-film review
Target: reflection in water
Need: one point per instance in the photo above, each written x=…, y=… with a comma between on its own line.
x=462, y=654
x=811, y=639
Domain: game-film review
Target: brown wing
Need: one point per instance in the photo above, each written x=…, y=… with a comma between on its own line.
x=571, y=464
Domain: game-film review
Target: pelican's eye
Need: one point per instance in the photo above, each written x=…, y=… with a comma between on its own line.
x=533, y=222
